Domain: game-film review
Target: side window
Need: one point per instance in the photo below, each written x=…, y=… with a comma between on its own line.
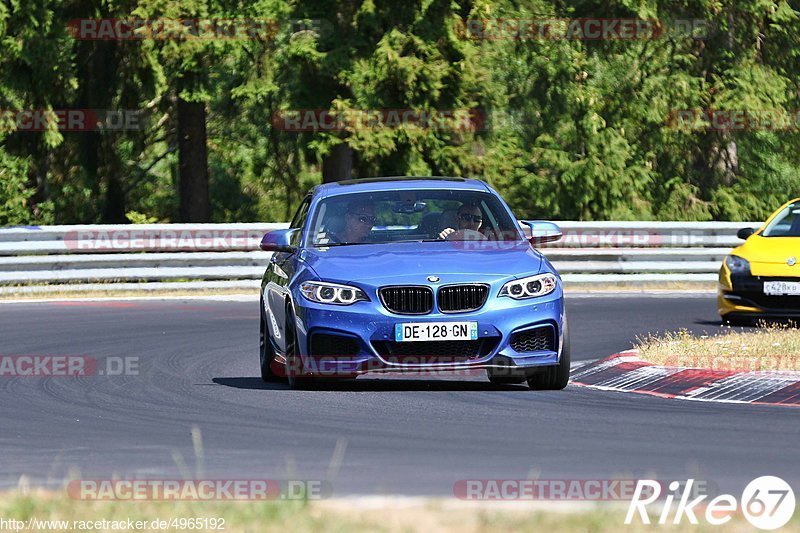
x=299, y=220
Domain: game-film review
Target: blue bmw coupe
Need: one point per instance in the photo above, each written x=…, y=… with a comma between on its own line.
x=408, y=274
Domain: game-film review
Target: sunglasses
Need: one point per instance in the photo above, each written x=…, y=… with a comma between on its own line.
x=366, y=219
x=477, y=219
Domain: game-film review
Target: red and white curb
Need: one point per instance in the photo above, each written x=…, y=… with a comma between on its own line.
x=626, y=372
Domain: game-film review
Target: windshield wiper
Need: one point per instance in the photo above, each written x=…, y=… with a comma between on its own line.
x=321, y=245
x=325, y=245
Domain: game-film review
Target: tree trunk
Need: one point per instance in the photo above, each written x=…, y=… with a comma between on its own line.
x=114, y=209
x=338, y=165
x=195, y=205
x=725, y=158
x=99, y=154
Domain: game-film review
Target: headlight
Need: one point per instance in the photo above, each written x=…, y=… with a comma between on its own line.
x=737, y=265
x=529, y=287
x=332, y=293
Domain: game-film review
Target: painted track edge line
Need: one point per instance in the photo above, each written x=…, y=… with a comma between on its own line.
x=626, y=372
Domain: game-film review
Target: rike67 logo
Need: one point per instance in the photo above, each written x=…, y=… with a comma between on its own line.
x=767, y=502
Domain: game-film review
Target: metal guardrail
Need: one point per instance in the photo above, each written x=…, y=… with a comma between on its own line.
x=213, y=256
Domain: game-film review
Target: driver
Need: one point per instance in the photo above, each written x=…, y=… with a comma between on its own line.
x=469, y=218
x=359, y=219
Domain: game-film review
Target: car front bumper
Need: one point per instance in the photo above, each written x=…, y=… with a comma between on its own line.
x=743, y=295
x=359, y=339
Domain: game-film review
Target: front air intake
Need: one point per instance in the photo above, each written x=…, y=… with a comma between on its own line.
x=407, y=299
x=462, y=298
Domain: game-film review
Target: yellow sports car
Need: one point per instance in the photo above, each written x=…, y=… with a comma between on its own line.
x=761, y=278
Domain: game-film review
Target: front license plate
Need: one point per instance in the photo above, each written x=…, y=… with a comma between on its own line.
x=435, y=331
x=780, y=288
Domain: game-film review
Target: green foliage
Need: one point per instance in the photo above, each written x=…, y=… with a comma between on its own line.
x=572, y=129
x=134, y=217
x=15, y=196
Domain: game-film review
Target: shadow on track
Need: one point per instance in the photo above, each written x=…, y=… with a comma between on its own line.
x=718, y=324
x=373, y=385
x=754, y=323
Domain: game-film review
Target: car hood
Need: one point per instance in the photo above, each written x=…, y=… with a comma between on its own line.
x=758, y=249
x=768, y=256
x=452, y=262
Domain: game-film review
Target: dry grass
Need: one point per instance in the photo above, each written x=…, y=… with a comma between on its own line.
x=635, y=287
x=772, y=347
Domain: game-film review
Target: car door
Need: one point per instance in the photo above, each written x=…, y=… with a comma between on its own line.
x=282, y=267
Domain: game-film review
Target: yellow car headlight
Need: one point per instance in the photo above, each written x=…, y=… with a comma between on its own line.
x=737, y=265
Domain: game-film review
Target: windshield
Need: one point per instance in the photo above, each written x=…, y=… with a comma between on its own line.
x=411, y=216
x=786, y=224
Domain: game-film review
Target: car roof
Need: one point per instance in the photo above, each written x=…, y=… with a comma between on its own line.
x=399, y=182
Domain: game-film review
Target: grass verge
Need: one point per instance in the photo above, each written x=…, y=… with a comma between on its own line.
x=772, y=347
x=381, y=514
x=643, y=287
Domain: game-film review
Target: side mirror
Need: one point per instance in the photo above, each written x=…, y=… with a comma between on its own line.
x=543, y=231
x=744, y=233
x=279, y=240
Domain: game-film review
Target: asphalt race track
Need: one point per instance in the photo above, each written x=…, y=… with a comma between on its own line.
x=198, y=367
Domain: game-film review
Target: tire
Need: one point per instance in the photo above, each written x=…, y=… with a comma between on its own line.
x=266, y=353
x=293, y=360
x=554, y=377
